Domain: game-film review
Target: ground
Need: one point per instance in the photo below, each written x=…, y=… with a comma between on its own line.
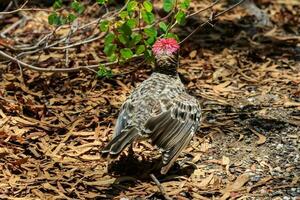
x=53, y=125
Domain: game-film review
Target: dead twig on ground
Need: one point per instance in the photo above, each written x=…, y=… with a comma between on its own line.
x=14, y=11
x=60, y=70
x=160, y=187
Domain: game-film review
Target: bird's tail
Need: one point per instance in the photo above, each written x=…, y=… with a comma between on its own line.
x=119, y=142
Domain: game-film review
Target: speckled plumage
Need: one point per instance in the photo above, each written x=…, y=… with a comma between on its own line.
x=159, y=109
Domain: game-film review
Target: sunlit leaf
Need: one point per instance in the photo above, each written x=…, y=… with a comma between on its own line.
x=109, y=38
x=151, y=32
x=136, y=38
x=168, y=5
x=77, y=7
x=126, y=53
x=148, y=55
x=109, y=49
x=104, y=26
x=57, y=4
x=113, y=57
x=163, y=26
x=123, y=14
x=148, y=17
x=180, y=17
x=172, y=35
x=185, y=4
x=150, y=41
x=132, y=6
x=148, y=6
x=54, y=19
x=104, y=72
x=140, y=49
x=123, y=38
x=101, y=2
x=131, y=23
x=71, y=17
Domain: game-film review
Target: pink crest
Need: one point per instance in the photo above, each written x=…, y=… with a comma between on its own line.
x=165, y=46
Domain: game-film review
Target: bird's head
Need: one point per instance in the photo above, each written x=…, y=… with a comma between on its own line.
x=165, y=51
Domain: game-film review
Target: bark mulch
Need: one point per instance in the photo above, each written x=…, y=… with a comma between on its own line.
x=52, y=126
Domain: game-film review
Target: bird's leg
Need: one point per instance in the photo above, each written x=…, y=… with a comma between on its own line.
x=130, y=150
x=108, y=162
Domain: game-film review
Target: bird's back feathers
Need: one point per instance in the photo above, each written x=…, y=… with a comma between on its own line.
x=161, y=110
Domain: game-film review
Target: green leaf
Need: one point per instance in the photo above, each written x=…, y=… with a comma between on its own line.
x=180, y=17
x=123, y=38
x=57, y=4
x=168, y=5
x=132, y=5
x=109, y=49
x=140, y=49
x=101, y=2
x=185, y=4
x=63, y=20
x=163, y=26
x=123, y=14
x=148, y=6
x=77, y=7
x=131, y=23
x=54, y=19
x=112, y=58
x=148, y=55
x=136, y=38
x=104, y=26
x=109, y=38
x=151, y=32
x=125, y=29
x=71, y=17
x=148, y=17
x=104, y=72
x=150, y=41
x=126, y=53
x=172, y=35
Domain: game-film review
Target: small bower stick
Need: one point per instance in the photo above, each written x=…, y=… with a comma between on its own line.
x=160, y=187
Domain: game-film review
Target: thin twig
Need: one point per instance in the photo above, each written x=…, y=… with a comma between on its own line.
x=14, y=11
x=160, y=187
x=60, y=70
x=108, y=18
x=93, y=67
x=39, y=43
x=79, y=43
x=14, y=25
x=210, y=20
x=204, y=9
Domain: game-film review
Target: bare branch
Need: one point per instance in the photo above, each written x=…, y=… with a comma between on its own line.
x=61, y=70
x=204, y=9
x=14, y=11
x=39, y=69
x=210, y=20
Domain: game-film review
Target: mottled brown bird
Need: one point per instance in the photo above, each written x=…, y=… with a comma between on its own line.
x=159, y=109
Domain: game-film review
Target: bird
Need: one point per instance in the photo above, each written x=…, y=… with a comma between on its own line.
x=159, y=109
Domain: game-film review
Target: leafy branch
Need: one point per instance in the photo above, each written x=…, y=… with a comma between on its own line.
x=127, y=33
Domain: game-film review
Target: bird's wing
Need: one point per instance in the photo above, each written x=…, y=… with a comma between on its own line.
x=172, y=129
x=124, y=118
x=124, y=133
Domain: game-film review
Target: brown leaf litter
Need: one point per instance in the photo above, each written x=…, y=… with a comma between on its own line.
x=52, y=126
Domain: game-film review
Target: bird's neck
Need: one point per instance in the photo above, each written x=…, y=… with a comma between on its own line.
x=166, y=65
x=166, y=70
